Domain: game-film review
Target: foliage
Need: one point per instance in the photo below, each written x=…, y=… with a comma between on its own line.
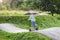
x=2, y=7
x=51, y=5
x=44, y=5
x=24, y=4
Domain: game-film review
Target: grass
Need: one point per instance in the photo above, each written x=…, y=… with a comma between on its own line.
x=22, y=36
x=12, y=13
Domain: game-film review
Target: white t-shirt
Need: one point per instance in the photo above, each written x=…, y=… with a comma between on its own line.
x=32, y=18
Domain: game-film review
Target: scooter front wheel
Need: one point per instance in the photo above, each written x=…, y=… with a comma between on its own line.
x=30, y=30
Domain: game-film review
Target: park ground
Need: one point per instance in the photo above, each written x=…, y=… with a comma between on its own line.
x=43, y=21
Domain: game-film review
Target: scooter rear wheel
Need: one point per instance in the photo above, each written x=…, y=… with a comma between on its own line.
x=30, y=30
x=36, y=29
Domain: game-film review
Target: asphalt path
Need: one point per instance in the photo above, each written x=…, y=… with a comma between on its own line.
x=53, y=33
x=11, y=28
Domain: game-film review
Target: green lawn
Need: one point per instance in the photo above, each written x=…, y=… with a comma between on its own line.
x=12, y=13
x=22, y=36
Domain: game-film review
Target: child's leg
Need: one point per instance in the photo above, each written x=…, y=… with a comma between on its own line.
x=34, y=24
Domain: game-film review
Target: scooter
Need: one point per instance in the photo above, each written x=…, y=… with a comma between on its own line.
x=32, y=30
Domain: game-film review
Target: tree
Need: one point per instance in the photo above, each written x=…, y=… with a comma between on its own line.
x=50, y=5
x=28, y=4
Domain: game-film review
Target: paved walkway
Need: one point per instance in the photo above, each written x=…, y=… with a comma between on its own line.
x=11, y=28
x=53, y=33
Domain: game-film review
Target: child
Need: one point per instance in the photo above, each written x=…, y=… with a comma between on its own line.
x=32, y=18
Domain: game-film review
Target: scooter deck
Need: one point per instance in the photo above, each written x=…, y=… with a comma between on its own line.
x=32, y=30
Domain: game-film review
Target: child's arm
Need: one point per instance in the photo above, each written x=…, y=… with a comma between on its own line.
x=29, y=18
